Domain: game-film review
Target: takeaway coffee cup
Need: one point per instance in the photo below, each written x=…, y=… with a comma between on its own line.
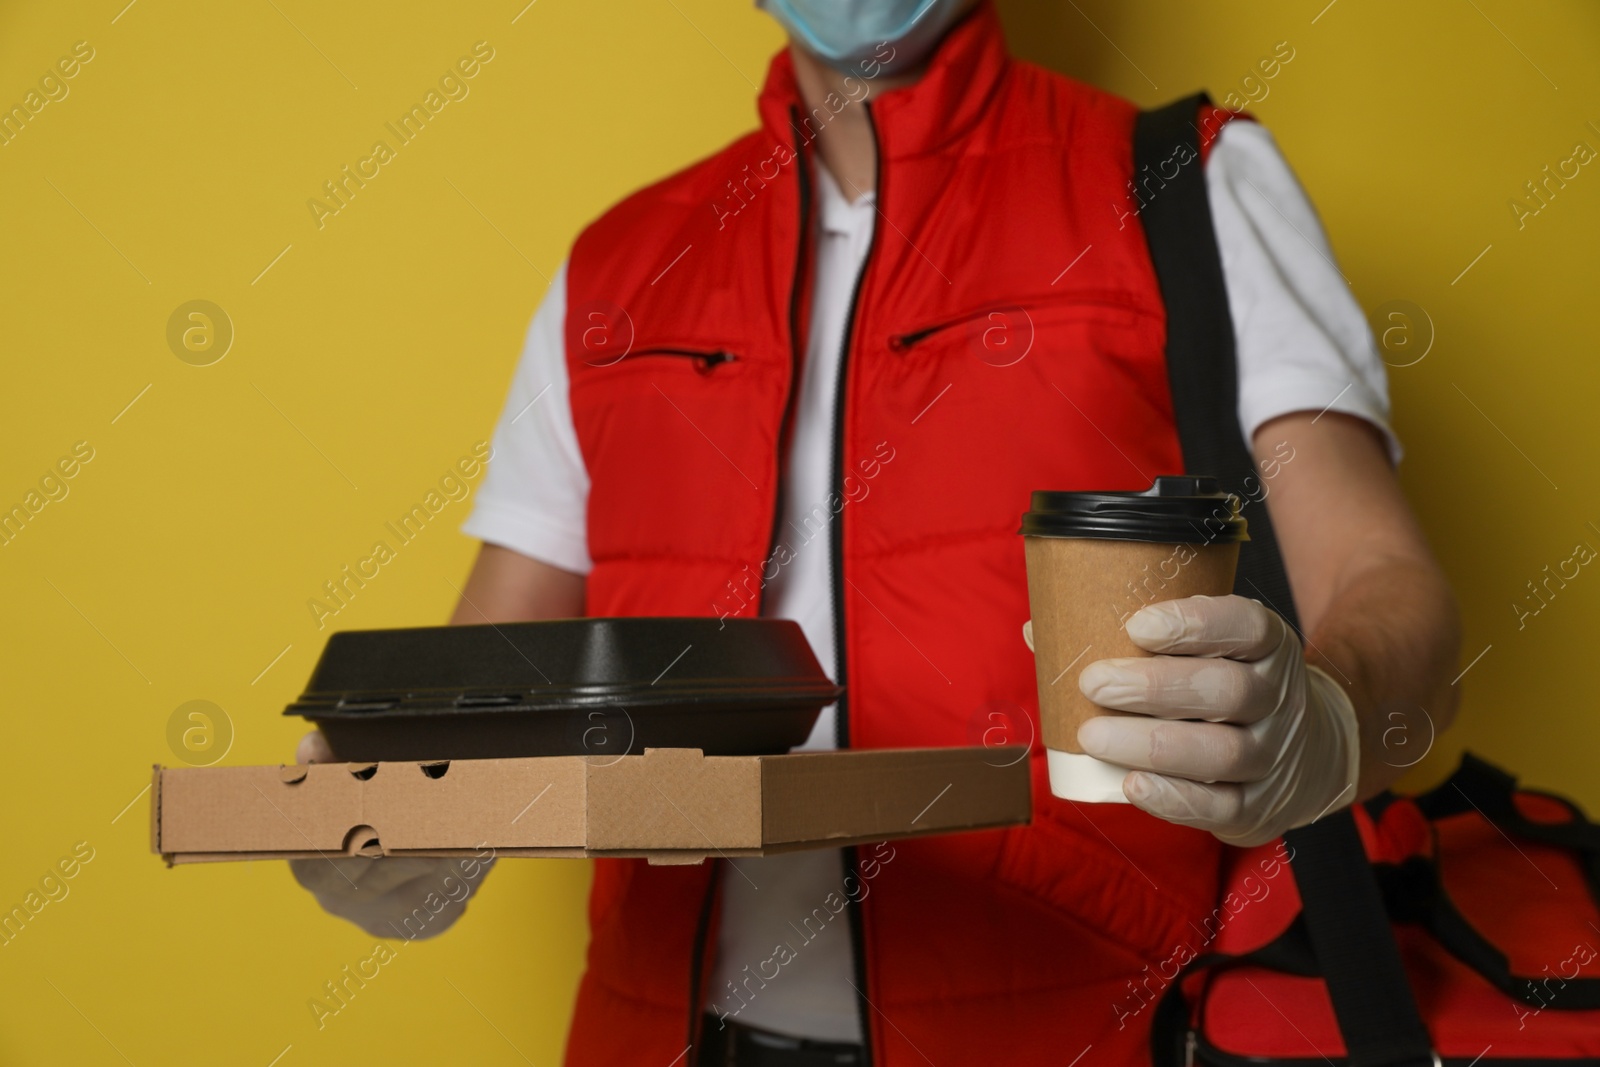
x=1093, y=560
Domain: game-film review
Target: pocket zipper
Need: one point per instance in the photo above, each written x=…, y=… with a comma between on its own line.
x=706, y=359
x=904, y=342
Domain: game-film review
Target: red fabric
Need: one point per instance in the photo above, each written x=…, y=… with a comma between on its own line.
x=1022, y=946
x=1531, y=901
x=1255, y=1012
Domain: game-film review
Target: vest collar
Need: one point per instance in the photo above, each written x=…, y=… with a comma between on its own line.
x=941, y=107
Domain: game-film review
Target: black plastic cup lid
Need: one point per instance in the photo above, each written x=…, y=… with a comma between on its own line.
x=1176, y=509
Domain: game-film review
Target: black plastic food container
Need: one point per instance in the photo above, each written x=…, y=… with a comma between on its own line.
x=593, y=687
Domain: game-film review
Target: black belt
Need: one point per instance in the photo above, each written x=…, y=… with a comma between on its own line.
x=726, y=1043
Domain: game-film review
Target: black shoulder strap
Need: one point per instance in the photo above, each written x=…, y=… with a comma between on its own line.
x=1344, y=914
x=1478, y=785
x=1200, y=355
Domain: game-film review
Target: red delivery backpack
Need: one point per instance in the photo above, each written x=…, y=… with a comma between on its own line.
x=1451, y=929
x=1465, y=930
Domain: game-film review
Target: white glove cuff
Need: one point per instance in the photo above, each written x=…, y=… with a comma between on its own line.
x=1330, y=694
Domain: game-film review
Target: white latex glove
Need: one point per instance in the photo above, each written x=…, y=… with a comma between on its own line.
x=410, y=897
x=1277, y=745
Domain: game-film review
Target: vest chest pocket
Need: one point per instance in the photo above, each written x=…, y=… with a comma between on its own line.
x=640, y=398
x=677, y=438
x=1003, y=334
x=1059, y=390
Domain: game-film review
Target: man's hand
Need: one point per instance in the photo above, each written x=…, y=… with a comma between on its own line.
x=420, y=896
x=1278, y=742
x=408, y=897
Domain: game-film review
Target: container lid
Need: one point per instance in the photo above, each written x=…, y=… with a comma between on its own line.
x=1176, y=509
x=564, y=664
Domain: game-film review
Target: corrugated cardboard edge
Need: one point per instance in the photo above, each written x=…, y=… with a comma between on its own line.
x=155, y=813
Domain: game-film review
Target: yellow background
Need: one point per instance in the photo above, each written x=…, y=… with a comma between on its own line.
x=377, y=350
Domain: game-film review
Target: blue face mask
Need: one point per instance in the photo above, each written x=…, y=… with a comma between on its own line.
x=848, y=34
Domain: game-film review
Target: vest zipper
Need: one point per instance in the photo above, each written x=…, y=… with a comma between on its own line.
x=706, y=358
x=836, y=551
x=796, y=291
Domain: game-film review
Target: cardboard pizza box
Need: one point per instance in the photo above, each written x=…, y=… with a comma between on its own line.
x=667, y=805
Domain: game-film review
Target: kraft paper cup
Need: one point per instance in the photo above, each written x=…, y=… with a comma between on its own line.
x=1093, y=560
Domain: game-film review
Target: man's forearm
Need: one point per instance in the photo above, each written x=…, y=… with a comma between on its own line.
x=1391, y=638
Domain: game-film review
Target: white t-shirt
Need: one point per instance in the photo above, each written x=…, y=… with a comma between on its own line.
x=1303, y=345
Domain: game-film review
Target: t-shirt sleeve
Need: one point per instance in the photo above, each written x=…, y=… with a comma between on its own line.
x=1303, y=342
x=535, y=496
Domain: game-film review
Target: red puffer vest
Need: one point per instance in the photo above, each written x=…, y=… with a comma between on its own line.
x=1007, y=335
